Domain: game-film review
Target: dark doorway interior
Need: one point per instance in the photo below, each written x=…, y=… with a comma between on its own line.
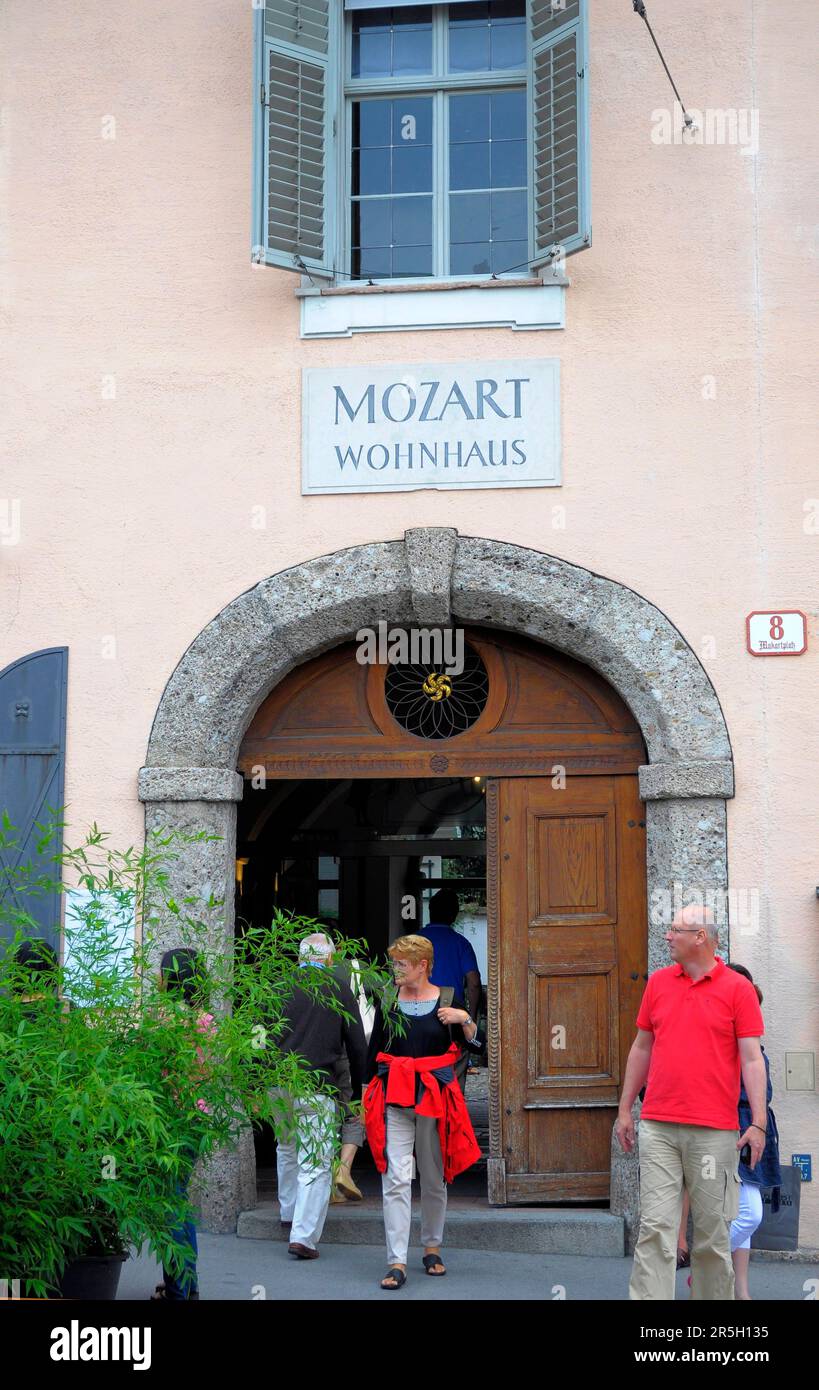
x=365, y=856
x=353, y=852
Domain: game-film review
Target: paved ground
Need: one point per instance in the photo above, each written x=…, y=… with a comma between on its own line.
x=233, y=1269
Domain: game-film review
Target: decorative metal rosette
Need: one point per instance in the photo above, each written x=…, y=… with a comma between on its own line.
x=435, y=704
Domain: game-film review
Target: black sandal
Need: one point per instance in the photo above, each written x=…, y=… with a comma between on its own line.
x=430, y=1260
x=399, y=1275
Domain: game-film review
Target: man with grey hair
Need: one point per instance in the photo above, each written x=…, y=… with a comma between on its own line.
x=315, y=949
x=698, y=1028
x=306, y=1128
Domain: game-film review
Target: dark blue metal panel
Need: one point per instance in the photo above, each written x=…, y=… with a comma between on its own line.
x=33, y=695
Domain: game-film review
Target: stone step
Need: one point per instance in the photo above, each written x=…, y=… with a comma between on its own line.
x=528, y=1230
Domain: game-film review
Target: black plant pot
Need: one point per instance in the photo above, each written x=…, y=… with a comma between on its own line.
x=93, y=1278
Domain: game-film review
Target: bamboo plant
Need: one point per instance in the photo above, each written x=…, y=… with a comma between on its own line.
x=107, y=1083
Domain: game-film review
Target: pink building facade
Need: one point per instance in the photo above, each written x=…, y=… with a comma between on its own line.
x=176, y=513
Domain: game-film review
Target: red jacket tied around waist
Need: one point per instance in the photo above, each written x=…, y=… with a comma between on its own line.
x=443, y=1102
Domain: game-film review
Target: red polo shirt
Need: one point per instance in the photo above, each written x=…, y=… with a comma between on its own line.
x=694, y=1075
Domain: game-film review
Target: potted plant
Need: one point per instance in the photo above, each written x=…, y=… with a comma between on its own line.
x=106, y=1086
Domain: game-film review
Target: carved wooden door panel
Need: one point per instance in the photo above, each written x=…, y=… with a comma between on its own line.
x=570, y=932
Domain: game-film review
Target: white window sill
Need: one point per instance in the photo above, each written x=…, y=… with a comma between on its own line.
x=523, y=305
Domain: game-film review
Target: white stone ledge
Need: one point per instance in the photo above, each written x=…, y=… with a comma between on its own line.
x=525, y=306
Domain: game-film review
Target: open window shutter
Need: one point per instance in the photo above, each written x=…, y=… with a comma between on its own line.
x=32, y=774
x=559, y=121
x=297, y=52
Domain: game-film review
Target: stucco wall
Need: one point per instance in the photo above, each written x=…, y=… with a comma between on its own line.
x=129, y=258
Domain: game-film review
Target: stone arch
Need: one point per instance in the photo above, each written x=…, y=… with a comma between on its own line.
x=433, y=577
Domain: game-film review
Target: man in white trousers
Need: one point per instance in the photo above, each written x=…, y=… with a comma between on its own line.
x=306, y=1128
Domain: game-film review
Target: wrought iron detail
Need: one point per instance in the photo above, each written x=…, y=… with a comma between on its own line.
x=434, y=704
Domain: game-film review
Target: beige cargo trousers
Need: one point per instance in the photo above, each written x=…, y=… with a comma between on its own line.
x=706, y=1162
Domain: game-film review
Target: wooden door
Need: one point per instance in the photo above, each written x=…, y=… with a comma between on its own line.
x=32, y=774
x=570, y=951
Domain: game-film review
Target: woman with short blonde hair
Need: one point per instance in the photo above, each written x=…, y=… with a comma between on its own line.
x=413, y=1102
x=413, y=948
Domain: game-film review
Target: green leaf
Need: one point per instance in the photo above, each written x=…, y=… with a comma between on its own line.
x=98, y=1105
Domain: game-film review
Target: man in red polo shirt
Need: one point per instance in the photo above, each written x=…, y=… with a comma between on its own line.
x=699, y=1024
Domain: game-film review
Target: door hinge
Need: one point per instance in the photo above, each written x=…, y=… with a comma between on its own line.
x=262, y=94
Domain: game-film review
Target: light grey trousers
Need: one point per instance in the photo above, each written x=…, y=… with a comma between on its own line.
x=305, y=1132
x=407, y=1131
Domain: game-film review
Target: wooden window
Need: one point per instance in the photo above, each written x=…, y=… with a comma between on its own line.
x=420, y=141
x=438, y=169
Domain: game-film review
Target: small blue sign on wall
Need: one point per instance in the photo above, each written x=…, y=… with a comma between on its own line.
x=802, y=1161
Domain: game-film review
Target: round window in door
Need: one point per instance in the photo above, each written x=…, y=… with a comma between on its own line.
x=436, y=704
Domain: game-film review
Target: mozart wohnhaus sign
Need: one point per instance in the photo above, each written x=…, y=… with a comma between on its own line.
x=439, y=425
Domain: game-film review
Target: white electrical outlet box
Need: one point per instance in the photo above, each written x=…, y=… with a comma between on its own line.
x=800, y=1071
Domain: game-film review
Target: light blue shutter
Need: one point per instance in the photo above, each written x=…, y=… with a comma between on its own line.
x=32, y=773
x=559, y=126
x=298, y=50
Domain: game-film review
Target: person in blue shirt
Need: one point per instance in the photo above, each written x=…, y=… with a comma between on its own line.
x=455, y=962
